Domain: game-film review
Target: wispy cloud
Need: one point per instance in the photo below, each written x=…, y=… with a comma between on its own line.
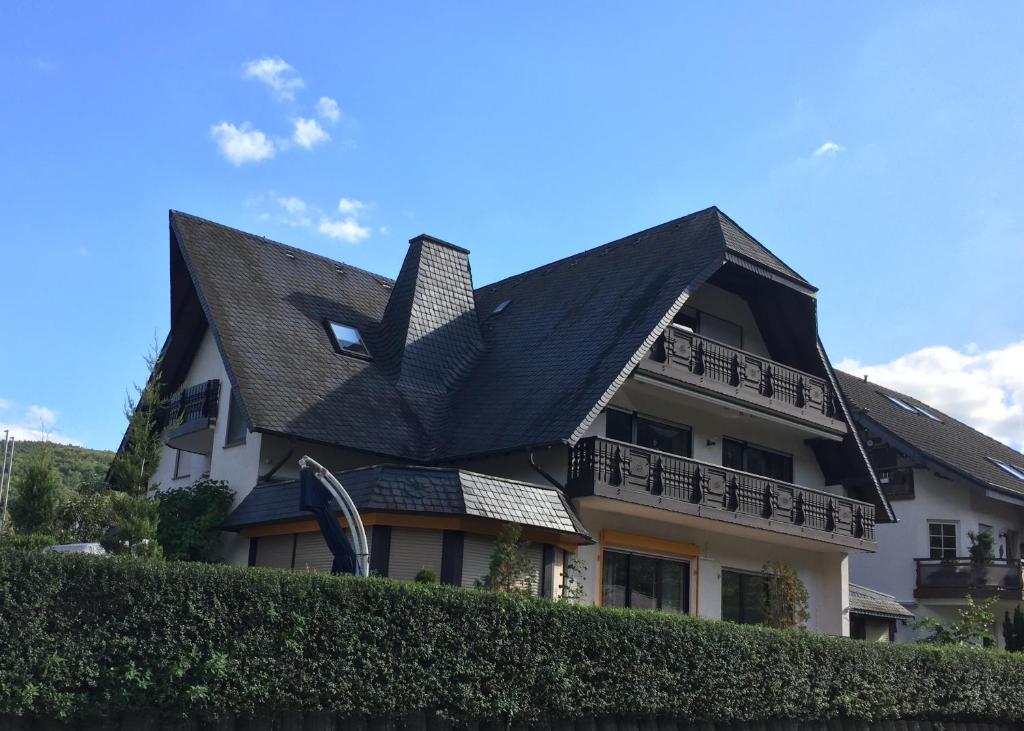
x=982, y=388
x=829, y=149
x=308, y=133
x=328, y=109
x=277, y=74
x=347, y=230
x=31, y=423
x=350, y=206
x=240, y=145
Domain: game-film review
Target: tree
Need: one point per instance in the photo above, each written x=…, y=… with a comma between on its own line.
x=972, y=627
x=137, y=460
x=135, y=523
x=36, y=495
x=189, y=517
x=785, y=597
x=510, y=570
x=572, y=589
x=84, y=517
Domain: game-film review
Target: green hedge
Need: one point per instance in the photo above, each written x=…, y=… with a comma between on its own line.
x=86, y=635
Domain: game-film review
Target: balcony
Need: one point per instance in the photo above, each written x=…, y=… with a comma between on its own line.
x=707, y=366
x=192, y=416
x=955, y=578
x=607, y=468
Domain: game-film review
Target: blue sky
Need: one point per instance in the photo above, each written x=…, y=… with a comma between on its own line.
x=879, y=150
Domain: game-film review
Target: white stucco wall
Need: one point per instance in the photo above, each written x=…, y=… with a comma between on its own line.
x=730, y=306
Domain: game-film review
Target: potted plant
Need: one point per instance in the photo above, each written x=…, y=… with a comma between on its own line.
x=982, y=553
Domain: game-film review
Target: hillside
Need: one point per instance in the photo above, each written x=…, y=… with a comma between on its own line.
x=77, y=465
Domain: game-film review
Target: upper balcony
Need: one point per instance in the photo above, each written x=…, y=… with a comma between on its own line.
x=192, y=416
x=955, y=578
x=608, y=468
x=709, y=367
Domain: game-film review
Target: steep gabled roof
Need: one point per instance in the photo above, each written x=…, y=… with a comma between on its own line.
x=950, y=444
x=570, y=334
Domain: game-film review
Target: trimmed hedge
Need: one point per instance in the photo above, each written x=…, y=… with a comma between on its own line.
x=82, y=635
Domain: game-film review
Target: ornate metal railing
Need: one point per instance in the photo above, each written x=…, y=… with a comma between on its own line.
x=195, y=402
x=958, y=577
x=605, y=466
x=683, y=355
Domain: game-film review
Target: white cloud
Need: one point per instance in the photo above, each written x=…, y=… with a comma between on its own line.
x=296, y=210
x=347, y=230
x=292, y=204
x=240, y=145
x=41, y=415
x=308, y=133
x=31, y=423
x=829, y=149
x=277, y=74
x=350, y=206
x=328, y=109
x=982, y=388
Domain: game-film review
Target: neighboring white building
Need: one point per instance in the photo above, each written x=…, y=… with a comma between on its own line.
x=660, y=407
x=945, y=480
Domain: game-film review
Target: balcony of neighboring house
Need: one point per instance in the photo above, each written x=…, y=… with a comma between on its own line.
x=192, y=416
x=955, y=578
x=608, y=468
x=711, y=368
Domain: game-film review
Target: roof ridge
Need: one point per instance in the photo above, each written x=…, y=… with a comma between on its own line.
x=599, y=247
x=727, y=217
x=274, y=242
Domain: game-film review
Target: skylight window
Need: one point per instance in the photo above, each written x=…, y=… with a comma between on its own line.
x=927, y=413
x=501, y=307
x=347, y=339
x=1010, y=469
x=902, y=404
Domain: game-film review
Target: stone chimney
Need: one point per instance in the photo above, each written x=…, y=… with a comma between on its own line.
x=430, y=321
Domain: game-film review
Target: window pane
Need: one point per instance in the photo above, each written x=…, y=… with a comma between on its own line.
x=687, y=317
x=753, y=598
x=731, y=596
x=348, y=338
x=643, y=582
x=675, y=585
x=618, y=425
x=732, y=454
x=663, y=437
x=721, y=330
x=616, y=571
x=236, y=422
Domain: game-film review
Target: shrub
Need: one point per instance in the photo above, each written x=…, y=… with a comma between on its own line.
x=425, y=576
x=510, y=569
x=785, y=597
x=94, y=636
x=188, y=518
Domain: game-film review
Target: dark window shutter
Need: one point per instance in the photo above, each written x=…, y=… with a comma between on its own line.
x=380, y=550
x=547, y=572
x=452, y=544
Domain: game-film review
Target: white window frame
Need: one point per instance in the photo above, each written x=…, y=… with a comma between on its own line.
x=956, y=537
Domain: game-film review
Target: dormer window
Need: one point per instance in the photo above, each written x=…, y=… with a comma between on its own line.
x=1010, y=469
x=347, y=339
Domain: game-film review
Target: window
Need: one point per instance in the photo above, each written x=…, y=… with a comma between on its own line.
x=347, y=339
x=179, y=468
x=757, y=460
x=644, y=432
x=236, y=422
x=942, y=540
x=710, y=326
x=636, y=581
x=1010, y=469
x=911, y=407
x=501, y=307
x=743, y=596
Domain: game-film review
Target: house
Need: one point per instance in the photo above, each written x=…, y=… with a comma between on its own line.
x=656, y=412
x=946, y=481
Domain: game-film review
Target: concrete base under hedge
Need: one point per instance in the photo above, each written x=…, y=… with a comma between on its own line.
x=324, y=721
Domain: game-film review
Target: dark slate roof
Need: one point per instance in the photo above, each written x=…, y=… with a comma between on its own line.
x=865, y=601
x=424, y=490
x=950, y=444
x=571, y=334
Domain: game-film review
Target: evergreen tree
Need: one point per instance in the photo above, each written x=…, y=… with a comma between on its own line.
x=36, y=495
x=137, y=460
x=510, y=569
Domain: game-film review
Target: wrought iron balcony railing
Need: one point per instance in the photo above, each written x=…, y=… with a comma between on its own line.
x=192, y=416
x=683, y=356
x=955, y=578
x=608, y=468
